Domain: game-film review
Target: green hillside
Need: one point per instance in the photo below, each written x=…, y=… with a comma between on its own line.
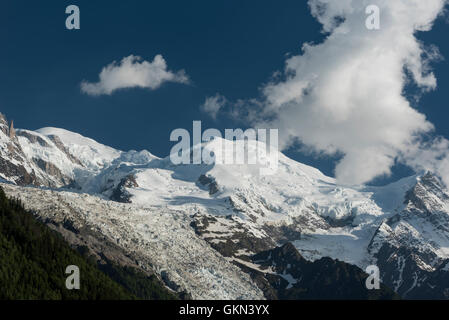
x=33, y=260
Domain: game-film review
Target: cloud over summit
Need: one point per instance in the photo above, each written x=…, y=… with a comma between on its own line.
x=346, y=94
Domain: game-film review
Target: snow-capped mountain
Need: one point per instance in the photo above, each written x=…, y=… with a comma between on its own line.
x=148, y=208
x=50, y=157
x=412, y=246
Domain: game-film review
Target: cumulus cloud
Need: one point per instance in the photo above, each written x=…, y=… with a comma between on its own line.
x=132, y=72
x=213, y=105
x=346, y=94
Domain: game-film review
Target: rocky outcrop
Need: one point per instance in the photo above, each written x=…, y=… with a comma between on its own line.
x=230, y=236
x=120, y=194
x=12, y=131
x=17, y=173
x=284, y=274
x=209, y=183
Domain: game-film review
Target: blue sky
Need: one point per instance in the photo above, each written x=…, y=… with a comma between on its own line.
x=228, y=47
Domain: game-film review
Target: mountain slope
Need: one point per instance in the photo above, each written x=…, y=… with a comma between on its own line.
x=235, y=210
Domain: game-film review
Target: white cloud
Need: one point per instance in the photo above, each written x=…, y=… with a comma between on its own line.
x=345, y=95
x=432, y=155
x=133, y=72
x=213, y=105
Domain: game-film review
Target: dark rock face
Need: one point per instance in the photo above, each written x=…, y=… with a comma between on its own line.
x=435, y=285
x=120, y=194
x=414, y=282
x=284, y=274
x=208, y=182
x=24, y=178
